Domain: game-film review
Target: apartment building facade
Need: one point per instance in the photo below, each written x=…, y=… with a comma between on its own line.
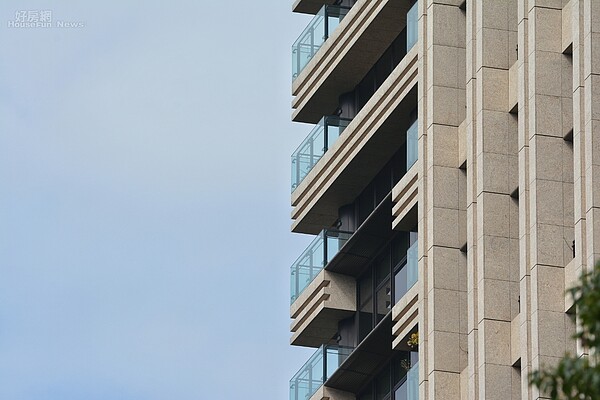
x=451, y=180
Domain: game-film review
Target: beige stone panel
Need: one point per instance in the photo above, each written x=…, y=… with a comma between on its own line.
x=496, y=258
x=566, y=75
x=493, y=89
x=592, y=51
x=495, y=210
x=444, y=228
x=592, y=176
x=547, y=243
x=571, y=277
x=513, y=49
x=495, y=127
x=495, y=382
x=548, y=116
x=546, y=23
x=592, y=98
x=569, y=217
x=567, y=115
x=569, y=235
x=472, y=367
x=494, y=343
x=513, y=260
x=548, y=155
x=447, y=103
x=494, y=48
x=548, y=283
x=447, y=66
x=446, y=354
x=444, y=311
x=444, y=385
x=463, y=312
x=494, y=172
x=570, y=330
x=567, y=20
x=549, y=202
x=591, y=16
x=556, y=4
x=494, y=300
x=593, y=235
x=515, y=340
x=568, y=166
x=472, y=310
x=494, y=14
x=448, y=22
x=593, y=144
x=549, y=330
x=444, y=186
x=513, y=175
x=548, y=70
x=513, y=87
x=445, y=271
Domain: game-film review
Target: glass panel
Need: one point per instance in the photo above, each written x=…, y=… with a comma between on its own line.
x=407, y=276
x=319, y=140
x=412, y=380
x=409, y=390
x=412, y=261
x=412, y=144
x=412, y=27
x=321, y=250
x=314, y=35
x=316, y=371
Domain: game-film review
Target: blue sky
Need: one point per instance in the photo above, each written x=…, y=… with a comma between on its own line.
x=144, y=201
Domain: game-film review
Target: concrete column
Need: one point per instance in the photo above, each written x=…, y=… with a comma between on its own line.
x=550, y=183
x=445, y=209
x=497, y=233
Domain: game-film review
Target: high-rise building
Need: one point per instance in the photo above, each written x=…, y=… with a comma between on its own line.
x=452, y=180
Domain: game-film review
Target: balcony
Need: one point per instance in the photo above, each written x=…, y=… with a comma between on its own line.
x=314, y=35
x=326, y=300
x=320, y=139
x=316, y=256
x=368, y=143
x=366, y=34
x=319, y=367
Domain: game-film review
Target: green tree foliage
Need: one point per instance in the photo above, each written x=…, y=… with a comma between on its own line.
x=574, y=377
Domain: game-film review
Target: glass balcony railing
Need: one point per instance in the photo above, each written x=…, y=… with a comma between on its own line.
x=317, y=370
x=320, y=139
x=412, y=144
x=316, y=256
x=409, y=390
x=412, y=26
x=407, y=276
x=314, y=35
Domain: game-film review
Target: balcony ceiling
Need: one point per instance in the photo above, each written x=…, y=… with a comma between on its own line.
x=309, y=6
x=359, y=250
x=364, y=362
